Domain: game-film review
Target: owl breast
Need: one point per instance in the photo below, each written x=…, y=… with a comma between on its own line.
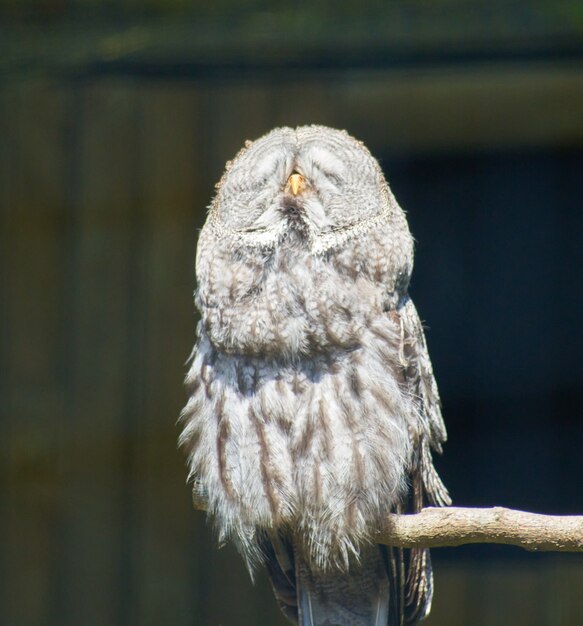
x=288, y=300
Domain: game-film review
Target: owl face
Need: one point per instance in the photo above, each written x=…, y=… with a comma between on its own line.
x=311, y=180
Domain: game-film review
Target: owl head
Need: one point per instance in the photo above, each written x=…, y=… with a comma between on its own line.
x=312, y=180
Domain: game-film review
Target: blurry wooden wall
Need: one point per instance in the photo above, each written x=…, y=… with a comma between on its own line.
x=97, y=241
x=105, y=176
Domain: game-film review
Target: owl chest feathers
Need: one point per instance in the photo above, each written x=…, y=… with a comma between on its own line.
x=289, y=301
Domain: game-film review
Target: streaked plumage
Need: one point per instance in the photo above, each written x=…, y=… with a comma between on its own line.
x=313, y=406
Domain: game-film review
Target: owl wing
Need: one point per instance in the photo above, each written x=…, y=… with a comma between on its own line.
x=428, y=433
x=427, y=429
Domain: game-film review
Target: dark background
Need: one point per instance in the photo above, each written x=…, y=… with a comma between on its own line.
x=116, y=119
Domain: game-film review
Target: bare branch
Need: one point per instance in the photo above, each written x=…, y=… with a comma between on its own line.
x=455, y=526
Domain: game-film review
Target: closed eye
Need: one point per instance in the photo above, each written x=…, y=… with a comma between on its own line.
x=335, y=178
x=252, y=229
x=266, y=170
x=259, y=183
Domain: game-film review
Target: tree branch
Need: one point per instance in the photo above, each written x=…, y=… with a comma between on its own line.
x=437, y=527
x=455, y=526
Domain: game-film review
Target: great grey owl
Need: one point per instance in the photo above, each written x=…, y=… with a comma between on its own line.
x=313, y=408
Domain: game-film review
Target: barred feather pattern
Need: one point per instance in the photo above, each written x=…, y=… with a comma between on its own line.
x=312, y=405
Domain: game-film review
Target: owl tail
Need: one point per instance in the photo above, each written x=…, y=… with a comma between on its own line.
x=360, y=597
x=372, y=593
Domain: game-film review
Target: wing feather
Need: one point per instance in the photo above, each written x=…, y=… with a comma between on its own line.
x=421, y=385
x=428, y=431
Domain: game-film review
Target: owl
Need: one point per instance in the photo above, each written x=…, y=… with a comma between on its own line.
x=313, y=409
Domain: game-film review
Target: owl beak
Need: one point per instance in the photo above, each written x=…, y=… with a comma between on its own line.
x=295, y=183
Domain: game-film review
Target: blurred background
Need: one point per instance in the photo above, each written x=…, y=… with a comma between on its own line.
x=116, y=119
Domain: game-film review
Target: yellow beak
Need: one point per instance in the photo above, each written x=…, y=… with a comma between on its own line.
x=296, y=183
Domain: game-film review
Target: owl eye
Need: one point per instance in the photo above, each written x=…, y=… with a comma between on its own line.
x=335, y=178
x=329, y=175
x=257, y=184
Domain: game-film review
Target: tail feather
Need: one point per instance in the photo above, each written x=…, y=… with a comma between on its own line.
x=389, y=587
x=419, y=586
x=279, y=561
x=395, y=568
x=359, y=597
